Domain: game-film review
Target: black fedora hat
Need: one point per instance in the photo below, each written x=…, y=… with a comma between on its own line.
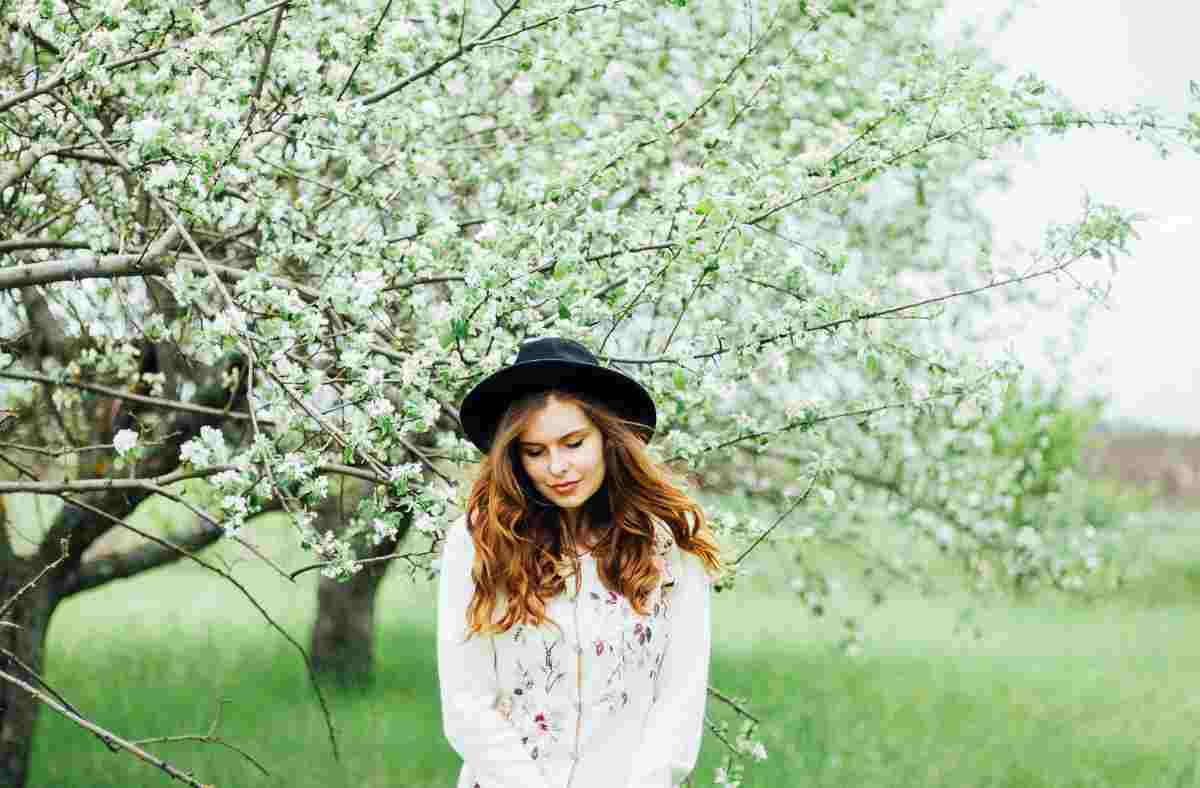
x=552, y=363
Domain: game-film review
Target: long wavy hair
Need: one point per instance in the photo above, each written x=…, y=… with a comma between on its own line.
x=520, y=537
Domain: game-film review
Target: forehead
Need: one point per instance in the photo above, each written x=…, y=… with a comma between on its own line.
x=554, y=420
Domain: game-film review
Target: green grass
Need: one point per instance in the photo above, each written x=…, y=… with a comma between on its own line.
x=1055, y=692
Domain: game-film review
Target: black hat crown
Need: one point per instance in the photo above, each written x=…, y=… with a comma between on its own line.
x=553, y=363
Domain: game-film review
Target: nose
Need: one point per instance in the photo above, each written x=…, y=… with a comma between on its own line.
x=558, y=463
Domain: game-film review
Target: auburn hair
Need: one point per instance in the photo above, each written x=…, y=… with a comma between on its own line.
x=519, y=536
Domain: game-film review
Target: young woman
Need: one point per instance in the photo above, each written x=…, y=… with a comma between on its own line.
x=573, y=602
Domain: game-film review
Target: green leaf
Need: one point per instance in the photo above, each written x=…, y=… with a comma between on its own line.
x=679, y=379
x=563, y=311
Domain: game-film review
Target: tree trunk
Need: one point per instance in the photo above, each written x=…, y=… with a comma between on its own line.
x=343, y=640
x=25, y=642
x=343, y=636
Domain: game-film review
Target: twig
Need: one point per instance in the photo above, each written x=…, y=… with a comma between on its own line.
x=244, y=591
x=45, y=570
x=276, y=23
x=156, y=484
x=716, y=693
x=377, y=559
x=107, y=391
x=369, y=43
x=207, y=738
x=833, y=324
x=799, y=501
x=107, y=736
x=60, y=78
x=437, y=64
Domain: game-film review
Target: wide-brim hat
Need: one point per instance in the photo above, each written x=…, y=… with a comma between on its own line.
x=553, y=363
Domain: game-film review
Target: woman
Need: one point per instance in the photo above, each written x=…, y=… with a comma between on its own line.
x=573, y=602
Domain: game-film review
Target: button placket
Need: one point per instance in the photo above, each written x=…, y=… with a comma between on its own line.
x=578, y=592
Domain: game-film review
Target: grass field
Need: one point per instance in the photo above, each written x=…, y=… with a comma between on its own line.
x=1055, y=693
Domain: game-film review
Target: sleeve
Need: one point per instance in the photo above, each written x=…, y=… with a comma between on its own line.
x=484, y=739
x=675, y=724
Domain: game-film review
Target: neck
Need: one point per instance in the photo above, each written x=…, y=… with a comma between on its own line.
x=574, y=520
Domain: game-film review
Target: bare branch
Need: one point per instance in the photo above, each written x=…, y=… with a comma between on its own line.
x=45, y=570
x=98, y=571
x=244, y=591
x=716, y=693
x=107, y=736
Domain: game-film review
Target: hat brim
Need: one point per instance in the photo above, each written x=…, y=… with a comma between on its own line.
x=485, y=404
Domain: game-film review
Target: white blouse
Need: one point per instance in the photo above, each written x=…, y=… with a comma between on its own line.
x=607, y=699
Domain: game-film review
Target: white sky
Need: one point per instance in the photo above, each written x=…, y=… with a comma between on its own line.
x=1144, y=352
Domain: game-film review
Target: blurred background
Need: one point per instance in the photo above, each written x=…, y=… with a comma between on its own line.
x=862, y=673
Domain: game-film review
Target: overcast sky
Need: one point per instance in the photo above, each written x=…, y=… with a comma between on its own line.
x=1144, y=352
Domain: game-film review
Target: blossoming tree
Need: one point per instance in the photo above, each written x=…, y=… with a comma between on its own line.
x=271, y=244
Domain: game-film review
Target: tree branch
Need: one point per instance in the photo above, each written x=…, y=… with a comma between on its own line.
x=240, y=587
x=45, y=571
x=156, y=485
x=107, y=736
x=60, y=78
x=98, y=571
x=833, y=324
x=25, y=244
x=49, y=339
x=364, y=561
x=158, y=402
x=436, y=65
x=22, y=165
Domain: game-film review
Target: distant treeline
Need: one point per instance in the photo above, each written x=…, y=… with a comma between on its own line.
x=1166, y=463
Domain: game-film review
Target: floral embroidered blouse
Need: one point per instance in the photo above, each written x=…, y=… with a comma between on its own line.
x=606, y=699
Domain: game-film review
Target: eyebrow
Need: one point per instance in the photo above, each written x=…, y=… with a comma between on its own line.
x=560, y=437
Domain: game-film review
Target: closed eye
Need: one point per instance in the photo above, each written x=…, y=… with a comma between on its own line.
x=536, y=452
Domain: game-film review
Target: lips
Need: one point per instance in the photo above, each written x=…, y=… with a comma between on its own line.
x=565, y=488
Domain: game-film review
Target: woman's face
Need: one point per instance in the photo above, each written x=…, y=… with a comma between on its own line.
x=563, y=453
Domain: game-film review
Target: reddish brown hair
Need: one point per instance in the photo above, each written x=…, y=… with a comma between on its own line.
x=519, y=543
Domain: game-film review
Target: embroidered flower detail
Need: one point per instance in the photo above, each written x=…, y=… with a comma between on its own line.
x=642, y=633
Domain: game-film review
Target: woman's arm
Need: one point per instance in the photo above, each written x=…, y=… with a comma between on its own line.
x=675, y=725
x=487, y=742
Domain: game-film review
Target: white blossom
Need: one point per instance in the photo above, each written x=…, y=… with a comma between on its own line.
x=125, y=441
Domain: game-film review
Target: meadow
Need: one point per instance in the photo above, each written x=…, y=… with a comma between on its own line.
x=1050, y=691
